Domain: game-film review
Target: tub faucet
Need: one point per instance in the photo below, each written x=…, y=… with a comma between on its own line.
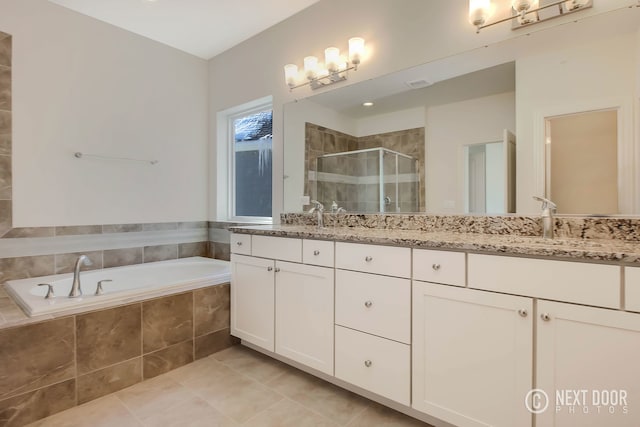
x=318, y=208
x=76, y=291
x=548, y=209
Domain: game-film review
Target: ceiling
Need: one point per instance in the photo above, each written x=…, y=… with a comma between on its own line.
x=203, y=28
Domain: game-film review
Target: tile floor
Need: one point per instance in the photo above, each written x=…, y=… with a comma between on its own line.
x=235, y=387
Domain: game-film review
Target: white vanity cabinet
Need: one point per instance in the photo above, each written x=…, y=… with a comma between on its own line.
x=632, y=288
x=253, y=300
x=373, y=319
x=280, y=304
x=591, y=349
x=304, y=314
x=472, y=355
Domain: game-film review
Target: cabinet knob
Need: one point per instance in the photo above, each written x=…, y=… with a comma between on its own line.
x=316, y=252
x=368, y=363
x=545, y=317
x=368, y=259
x=239, y=243
x=269, y=268
x=277, y=269
x=523, y=313
x=368, y=304
x=436, y=267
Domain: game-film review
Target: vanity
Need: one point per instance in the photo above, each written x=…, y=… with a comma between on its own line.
x=461, y=328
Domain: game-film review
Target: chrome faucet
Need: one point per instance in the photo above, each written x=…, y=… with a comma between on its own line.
x=548, y=209
x=76, y=291
x=319, y=210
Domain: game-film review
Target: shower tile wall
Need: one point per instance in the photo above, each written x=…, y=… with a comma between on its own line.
x=320, y=140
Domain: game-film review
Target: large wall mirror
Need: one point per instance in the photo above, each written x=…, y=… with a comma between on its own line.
x=481, y=132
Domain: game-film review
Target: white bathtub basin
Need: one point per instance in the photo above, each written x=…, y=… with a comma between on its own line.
x=127, y=282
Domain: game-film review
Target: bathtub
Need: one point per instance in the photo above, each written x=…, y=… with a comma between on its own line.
x=128, y=284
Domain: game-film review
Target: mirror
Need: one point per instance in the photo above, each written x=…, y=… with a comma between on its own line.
x=520, y=85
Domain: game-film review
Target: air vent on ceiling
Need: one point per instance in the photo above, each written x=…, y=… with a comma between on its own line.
x=418, y=84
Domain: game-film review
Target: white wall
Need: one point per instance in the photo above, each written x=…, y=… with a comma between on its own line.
x=83, y=85
x=399, y=34
x=566, y=78
x=398, y=120
x=449, y=128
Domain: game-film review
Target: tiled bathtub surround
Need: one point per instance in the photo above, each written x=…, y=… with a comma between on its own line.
x=5, y=133
x=50, y=366
x=574, y=227
x=40, y=251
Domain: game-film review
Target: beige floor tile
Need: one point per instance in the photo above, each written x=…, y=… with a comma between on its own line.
x=288, y=413
x=235, y=395
x=147, y=398
x=251, y=363
x=193, y=412
x=196, y=371
x=105, y=412
x=380, y=416
x=333, y=402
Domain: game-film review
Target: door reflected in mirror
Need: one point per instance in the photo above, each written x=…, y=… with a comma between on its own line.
x=582, y=173
x=490, y=172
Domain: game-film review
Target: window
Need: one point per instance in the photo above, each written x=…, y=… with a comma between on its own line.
x=248, y=137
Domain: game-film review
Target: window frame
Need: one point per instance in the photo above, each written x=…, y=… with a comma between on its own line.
x=227, y=138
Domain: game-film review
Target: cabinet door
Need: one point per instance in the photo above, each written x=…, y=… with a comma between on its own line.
x=304, y=314
x=587, y=361
x=252, y=300
x=472, y=355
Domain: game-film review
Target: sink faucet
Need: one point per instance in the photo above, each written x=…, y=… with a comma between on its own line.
x=548, y=209
x=76, y=291
x=319, y=210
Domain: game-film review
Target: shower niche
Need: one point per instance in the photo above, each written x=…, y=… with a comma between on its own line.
x=369, y=181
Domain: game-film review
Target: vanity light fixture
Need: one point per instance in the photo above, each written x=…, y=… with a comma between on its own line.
x=334, y=69
x=524, y=12
x=367, y=104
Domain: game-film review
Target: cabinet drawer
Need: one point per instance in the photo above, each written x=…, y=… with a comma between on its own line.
x=632, y=288
x=581, y=283
x=282, y=248
x=375, y=364
x=317, y=252
x=241, y=244
x=439, y=267
x=378, y=305
x=387, y=260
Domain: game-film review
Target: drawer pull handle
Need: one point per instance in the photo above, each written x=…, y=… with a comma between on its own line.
x=277, y=269
x=368, y=304
x=523, y=313
x=368, y=363
x=239, y=243
x=316, y=252
x=368, y=259
x=269, y=268
x=545, y=317
x=436, y=267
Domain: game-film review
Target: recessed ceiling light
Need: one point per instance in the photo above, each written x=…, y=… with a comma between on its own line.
x=367, y=104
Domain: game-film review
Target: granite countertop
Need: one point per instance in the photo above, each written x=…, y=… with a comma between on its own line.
x=611, y=251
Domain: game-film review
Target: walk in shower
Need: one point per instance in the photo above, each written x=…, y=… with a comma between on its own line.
x=371, y=180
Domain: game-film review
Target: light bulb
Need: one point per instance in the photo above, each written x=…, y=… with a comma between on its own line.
x=356, y=49
x=479, y=11
x=524, y=5
x=332, y=58
x=290, y=74
x=311, y=67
